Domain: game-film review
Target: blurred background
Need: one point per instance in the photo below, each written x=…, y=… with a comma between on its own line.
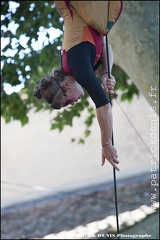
x=37, y=161
x=35, y=167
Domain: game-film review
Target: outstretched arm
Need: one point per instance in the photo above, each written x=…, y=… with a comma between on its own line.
x=104, y=113
x=105, y=120
x=85, y=76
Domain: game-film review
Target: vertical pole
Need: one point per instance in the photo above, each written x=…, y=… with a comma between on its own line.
x=114, y=171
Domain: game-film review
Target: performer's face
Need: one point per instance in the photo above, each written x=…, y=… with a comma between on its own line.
x=72, y=92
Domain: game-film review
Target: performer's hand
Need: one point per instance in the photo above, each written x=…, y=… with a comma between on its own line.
x=110, y=153
x=108, y=83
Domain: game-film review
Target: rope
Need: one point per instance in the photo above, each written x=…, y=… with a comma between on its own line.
x=138, y=134
x=114, y=171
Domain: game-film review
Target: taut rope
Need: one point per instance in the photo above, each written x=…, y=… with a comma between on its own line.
x=114, y=171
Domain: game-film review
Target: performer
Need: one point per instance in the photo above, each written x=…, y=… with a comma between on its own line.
x=82, y=53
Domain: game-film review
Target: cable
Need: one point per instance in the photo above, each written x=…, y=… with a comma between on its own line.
x=114, y=171
x=136, y=130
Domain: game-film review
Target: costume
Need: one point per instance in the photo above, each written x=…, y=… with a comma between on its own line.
x=81, y=50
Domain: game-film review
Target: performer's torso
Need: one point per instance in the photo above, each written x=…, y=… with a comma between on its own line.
x=75, y=30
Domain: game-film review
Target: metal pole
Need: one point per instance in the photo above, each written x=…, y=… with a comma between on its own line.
x=114, y=171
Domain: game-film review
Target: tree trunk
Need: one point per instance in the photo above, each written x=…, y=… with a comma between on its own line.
x=135, y=42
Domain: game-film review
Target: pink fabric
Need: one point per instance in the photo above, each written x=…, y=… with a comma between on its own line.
x=64, y=63
x=97, y=37
x=99, y=47
x=68, y=7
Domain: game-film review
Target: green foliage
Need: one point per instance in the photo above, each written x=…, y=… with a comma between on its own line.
x=24, y=64
x=125, y=88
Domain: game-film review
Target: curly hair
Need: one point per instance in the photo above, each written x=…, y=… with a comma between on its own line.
x=47, y=88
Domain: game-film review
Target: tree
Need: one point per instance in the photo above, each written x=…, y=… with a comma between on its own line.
x=23, y=23
x=135, y=39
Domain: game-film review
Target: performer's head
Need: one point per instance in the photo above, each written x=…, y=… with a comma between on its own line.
x=58, y=89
